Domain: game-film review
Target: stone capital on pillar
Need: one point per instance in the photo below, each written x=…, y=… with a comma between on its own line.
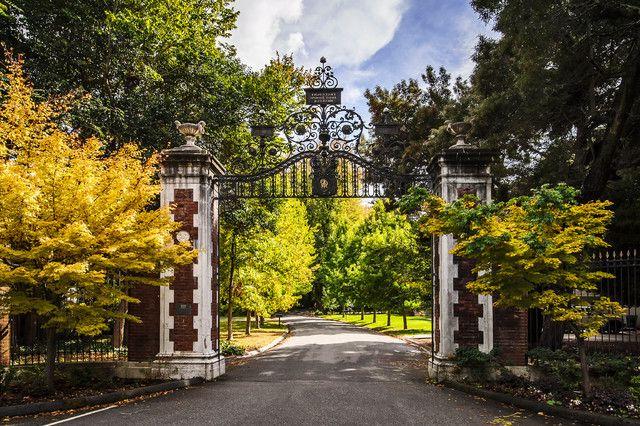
x=187, y=309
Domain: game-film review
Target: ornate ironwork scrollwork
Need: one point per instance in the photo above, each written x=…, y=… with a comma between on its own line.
x=323, y=159
x=322, y=76
x=330, y=127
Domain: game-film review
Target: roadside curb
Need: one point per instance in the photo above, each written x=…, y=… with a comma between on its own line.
x=539, y=407
x=415, y=345
x=265, y=348
x=107, y=398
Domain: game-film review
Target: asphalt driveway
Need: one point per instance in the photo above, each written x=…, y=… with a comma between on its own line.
x=326, y=372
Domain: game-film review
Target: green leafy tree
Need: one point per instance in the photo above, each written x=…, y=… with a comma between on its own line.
x=242, y=221
x=144, y=64
x=422, y=109
x=534, y=252
x=336, y=251
x=279, y=269
x=383, y=270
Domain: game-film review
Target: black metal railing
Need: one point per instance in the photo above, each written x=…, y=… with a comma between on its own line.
x=619, y=334
x=70, y=347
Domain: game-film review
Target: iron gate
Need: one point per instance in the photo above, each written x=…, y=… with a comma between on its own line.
x=317, y=153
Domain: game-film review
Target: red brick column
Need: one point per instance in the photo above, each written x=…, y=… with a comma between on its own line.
x=179, y=328
x=5, y=340
x=462, y=319
x=467, y=310
x=215, y=277
x=183, y=308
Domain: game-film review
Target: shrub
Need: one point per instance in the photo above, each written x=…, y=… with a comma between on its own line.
x=619, y=368
x=29, y=380
x=475, y=361
x=86, y=376
x=231, y=348
x=634, y=389
x=560, y=367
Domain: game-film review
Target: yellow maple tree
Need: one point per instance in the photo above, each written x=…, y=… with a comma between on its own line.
x=72, y=219
x=534, y=252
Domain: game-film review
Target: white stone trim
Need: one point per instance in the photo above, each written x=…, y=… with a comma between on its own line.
x=166, y=294
x=485, y=323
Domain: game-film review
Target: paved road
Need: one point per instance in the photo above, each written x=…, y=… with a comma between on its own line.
x=325, y=373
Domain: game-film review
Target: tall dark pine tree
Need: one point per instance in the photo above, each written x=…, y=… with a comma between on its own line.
x=559, y=90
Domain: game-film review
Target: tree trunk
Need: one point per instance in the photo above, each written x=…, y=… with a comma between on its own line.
x=552, y=334
x=261, y=321
x=232, y=267
x=584, y=366
x=362, y=314
x=388, y=318
x=255, y=313
x=404, y=318
x=604, y=153
x=375, y=315
x=343, y=312
x=247, y=325
x=51, y=359
x=117, y=338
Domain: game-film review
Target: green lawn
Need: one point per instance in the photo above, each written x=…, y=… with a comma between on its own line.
x=415, y=324
x=259, y=337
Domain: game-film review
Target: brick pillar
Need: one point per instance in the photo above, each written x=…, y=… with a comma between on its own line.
x=510, y=334
x=183, y=317
x=461, y=318
x=5, y=340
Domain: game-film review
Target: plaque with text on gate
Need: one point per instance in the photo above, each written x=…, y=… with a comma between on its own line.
x=323, y=96
x=183, y=309
x=324, y=176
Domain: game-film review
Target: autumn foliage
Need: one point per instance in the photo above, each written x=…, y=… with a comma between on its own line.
x=76, y=226
x=533, y=252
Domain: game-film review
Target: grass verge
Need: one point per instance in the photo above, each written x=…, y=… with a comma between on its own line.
x=258, y=338
x=415, y=324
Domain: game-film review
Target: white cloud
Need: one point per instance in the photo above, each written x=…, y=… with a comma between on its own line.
x=295, y=43
x=347, y=32
x=259, y=25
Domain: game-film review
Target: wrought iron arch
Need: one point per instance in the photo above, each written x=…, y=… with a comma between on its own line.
x=318, y=174
x=323, y=158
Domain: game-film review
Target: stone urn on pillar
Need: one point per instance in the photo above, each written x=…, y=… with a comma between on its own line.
x=182, y=318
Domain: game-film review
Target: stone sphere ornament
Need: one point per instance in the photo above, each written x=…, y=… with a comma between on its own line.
x=190, y=131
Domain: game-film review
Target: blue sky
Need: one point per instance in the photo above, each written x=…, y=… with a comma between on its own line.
x=368, y=42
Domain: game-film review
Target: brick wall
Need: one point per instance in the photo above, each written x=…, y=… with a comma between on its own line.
x=468, y=310
x=510, y=334
x=143, y=339
x=5, y=342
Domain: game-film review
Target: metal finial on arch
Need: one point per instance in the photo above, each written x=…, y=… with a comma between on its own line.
x=322, y=76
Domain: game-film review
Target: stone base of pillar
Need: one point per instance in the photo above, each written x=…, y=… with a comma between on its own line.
x=205, y=367
x=440, y=370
